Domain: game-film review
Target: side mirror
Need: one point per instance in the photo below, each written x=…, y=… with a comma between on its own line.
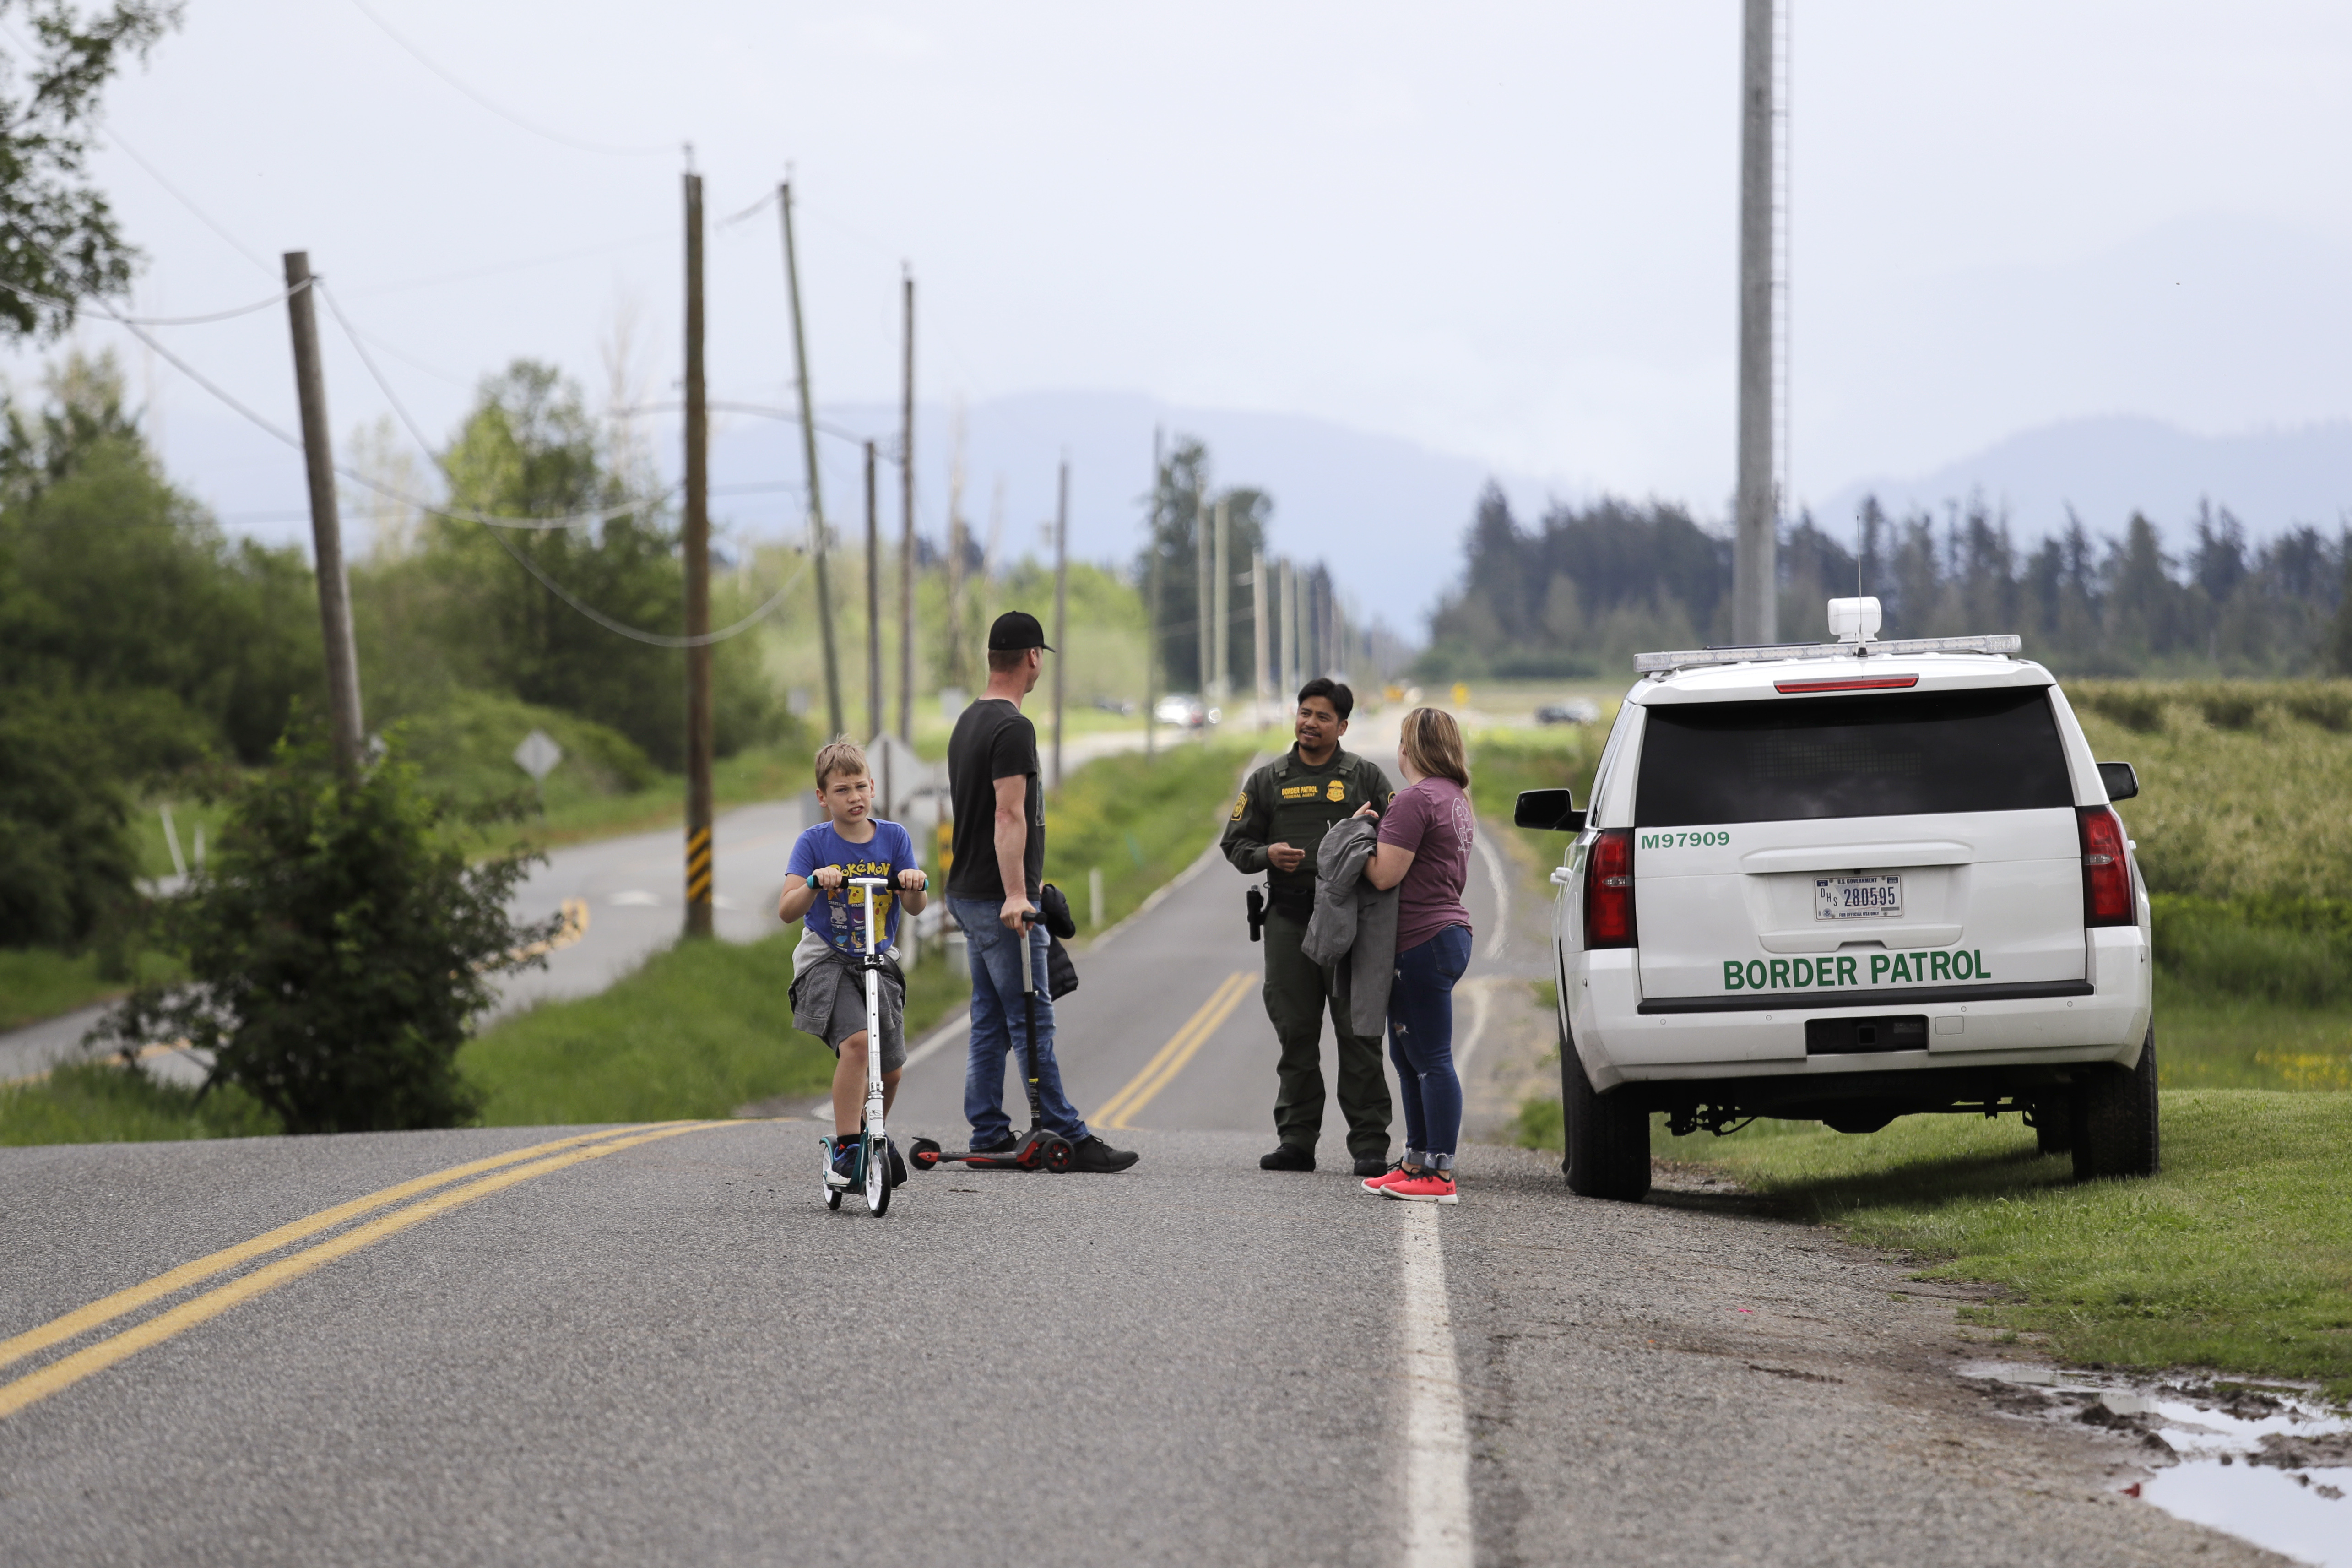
x=2121, y=781
x=1548, y=811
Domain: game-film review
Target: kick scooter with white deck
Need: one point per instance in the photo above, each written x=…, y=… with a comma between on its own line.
x=872, y=1170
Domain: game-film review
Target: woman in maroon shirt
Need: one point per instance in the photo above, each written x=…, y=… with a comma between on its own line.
x=1425, y=853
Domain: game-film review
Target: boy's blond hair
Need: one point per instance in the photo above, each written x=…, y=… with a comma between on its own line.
x=842, y=756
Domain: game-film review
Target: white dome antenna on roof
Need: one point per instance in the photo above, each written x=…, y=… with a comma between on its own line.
x=1854, y=620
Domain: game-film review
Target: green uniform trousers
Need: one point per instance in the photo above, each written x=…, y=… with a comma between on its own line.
x=1298, y=993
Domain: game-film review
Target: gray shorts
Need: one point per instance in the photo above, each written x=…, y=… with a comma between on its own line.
x=850, y=1018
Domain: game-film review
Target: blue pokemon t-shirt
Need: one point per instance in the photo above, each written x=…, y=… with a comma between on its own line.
x=838, y=918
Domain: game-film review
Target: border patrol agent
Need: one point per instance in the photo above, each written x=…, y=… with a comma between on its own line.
x=1284, y=811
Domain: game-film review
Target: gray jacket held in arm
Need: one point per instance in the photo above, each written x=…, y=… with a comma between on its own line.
x=1355, y=921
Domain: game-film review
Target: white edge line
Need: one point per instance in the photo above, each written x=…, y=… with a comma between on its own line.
x=1496, y=875
x=1435, y=1452
x=1480, y=998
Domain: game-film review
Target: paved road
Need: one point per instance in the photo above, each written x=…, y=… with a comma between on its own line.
x=656, y=1345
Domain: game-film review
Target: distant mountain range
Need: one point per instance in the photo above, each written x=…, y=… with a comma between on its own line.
x=2107, y=468
x=1388, y=514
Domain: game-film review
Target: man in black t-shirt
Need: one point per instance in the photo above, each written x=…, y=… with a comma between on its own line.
x=993, y=883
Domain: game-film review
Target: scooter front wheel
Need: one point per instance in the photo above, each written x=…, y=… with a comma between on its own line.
x=877, y=1175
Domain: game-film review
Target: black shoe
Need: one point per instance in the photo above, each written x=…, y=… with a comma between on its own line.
x=1288, y=1157
x=1093, y=1155
x=1004, y=1145
x=1373, y=1165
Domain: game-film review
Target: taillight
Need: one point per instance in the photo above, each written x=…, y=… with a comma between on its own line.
x=1609, y=890
x=2106, y=874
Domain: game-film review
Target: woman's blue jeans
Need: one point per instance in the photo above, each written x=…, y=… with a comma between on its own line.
x=1421, y=1043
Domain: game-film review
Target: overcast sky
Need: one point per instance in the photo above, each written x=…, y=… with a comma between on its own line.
x=1503, y=231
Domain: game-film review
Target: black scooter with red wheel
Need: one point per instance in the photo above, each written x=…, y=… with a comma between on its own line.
x=1040, y=1148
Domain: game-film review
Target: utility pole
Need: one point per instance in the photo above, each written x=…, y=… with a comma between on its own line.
x=1754, y=571
x=907, y=527
x=1151, y=606
x=1202, y=593
x=874, y=724
x=326, y=522
x=815, y=495
x=699, y=870
x=1295, y=605
x=1285, y=630
x=1223, y=644
x=1260, y=668
x=1061, y=606
x=955, y=670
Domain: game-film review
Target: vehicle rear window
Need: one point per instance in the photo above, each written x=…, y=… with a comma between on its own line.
x=1803, y=758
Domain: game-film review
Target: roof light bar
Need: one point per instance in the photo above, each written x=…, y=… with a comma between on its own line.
x=2004, y=643
x=1848, y=683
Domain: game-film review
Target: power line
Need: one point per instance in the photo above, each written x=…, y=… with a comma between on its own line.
x=507, y=115
x=178, y=196
x=69, y=308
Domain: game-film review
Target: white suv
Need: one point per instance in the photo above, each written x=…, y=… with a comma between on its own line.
x=1844, y=883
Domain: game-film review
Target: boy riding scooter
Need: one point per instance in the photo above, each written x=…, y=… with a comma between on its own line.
x=828, y=983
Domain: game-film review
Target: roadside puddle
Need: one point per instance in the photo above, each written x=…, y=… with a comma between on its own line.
x=2268, y=1463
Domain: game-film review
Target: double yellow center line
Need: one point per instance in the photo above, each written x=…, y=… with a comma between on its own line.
x=496, y=1174
x=1172, y=1057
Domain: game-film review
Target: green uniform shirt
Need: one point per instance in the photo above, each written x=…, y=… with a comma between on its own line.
x=1287, y=802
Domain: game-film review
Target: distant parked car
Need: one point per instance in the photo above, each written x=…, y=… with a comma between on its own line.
x=1583, y=710
x=1121, y=705
x=1183, y=710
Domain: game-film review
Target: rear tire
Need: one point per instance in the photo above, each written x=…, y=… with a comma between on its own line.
x=2054, y=1125
x=1608, y=1136
x=2114, y=1119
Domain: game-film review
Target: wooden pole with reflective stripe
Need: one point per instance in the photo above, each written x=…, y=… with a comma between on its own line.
x=698, y=584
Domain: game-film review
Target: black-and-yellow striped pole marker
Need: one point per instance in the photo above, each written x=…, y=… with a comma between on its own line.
x=697, y=879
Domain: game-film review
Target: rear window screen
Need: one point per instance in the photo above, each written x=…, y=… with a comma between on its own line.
x=1801, y=758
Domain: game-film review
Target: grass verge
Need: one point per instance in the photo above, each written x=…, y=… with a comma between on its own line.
x=99, y=1102
x=2237, y=1256
x=1140, y=821
x=699, y=1030
x=1505, y=761
x=38, y=983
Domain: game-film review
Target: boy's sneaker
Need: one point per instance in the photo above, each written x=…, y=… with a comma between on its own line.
x=841, y=1170
x=1093, y=1155
x=1386, y=1179
x=1429, y=1187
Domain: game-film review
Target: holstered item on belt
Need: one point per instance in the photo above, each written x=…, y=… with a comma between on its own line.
x=1297, y=904
x=1257, y=914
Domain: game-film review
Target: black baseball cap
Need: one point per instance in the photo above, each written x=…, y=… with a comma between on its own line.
x=1015, y=631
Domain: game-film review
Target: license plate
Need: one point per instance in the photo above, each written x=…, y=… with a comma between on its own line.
x=1857, y=898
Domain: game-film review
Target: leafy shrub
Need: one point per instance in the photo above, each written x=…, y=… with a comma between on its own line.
x=338, y=947
x=66, y=864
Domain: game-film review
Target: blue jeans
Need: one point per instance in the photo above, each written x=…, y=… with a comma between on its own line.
x=1421, y=1043
x=998, y=1024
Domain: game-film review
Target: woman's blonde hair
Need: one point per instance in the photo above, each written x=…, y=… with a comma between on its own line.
x=1433, y=745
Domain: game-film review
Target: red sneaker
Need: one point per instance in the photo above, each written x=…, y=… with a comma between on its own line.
x=1429, y=1187
x=1385, y=1179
